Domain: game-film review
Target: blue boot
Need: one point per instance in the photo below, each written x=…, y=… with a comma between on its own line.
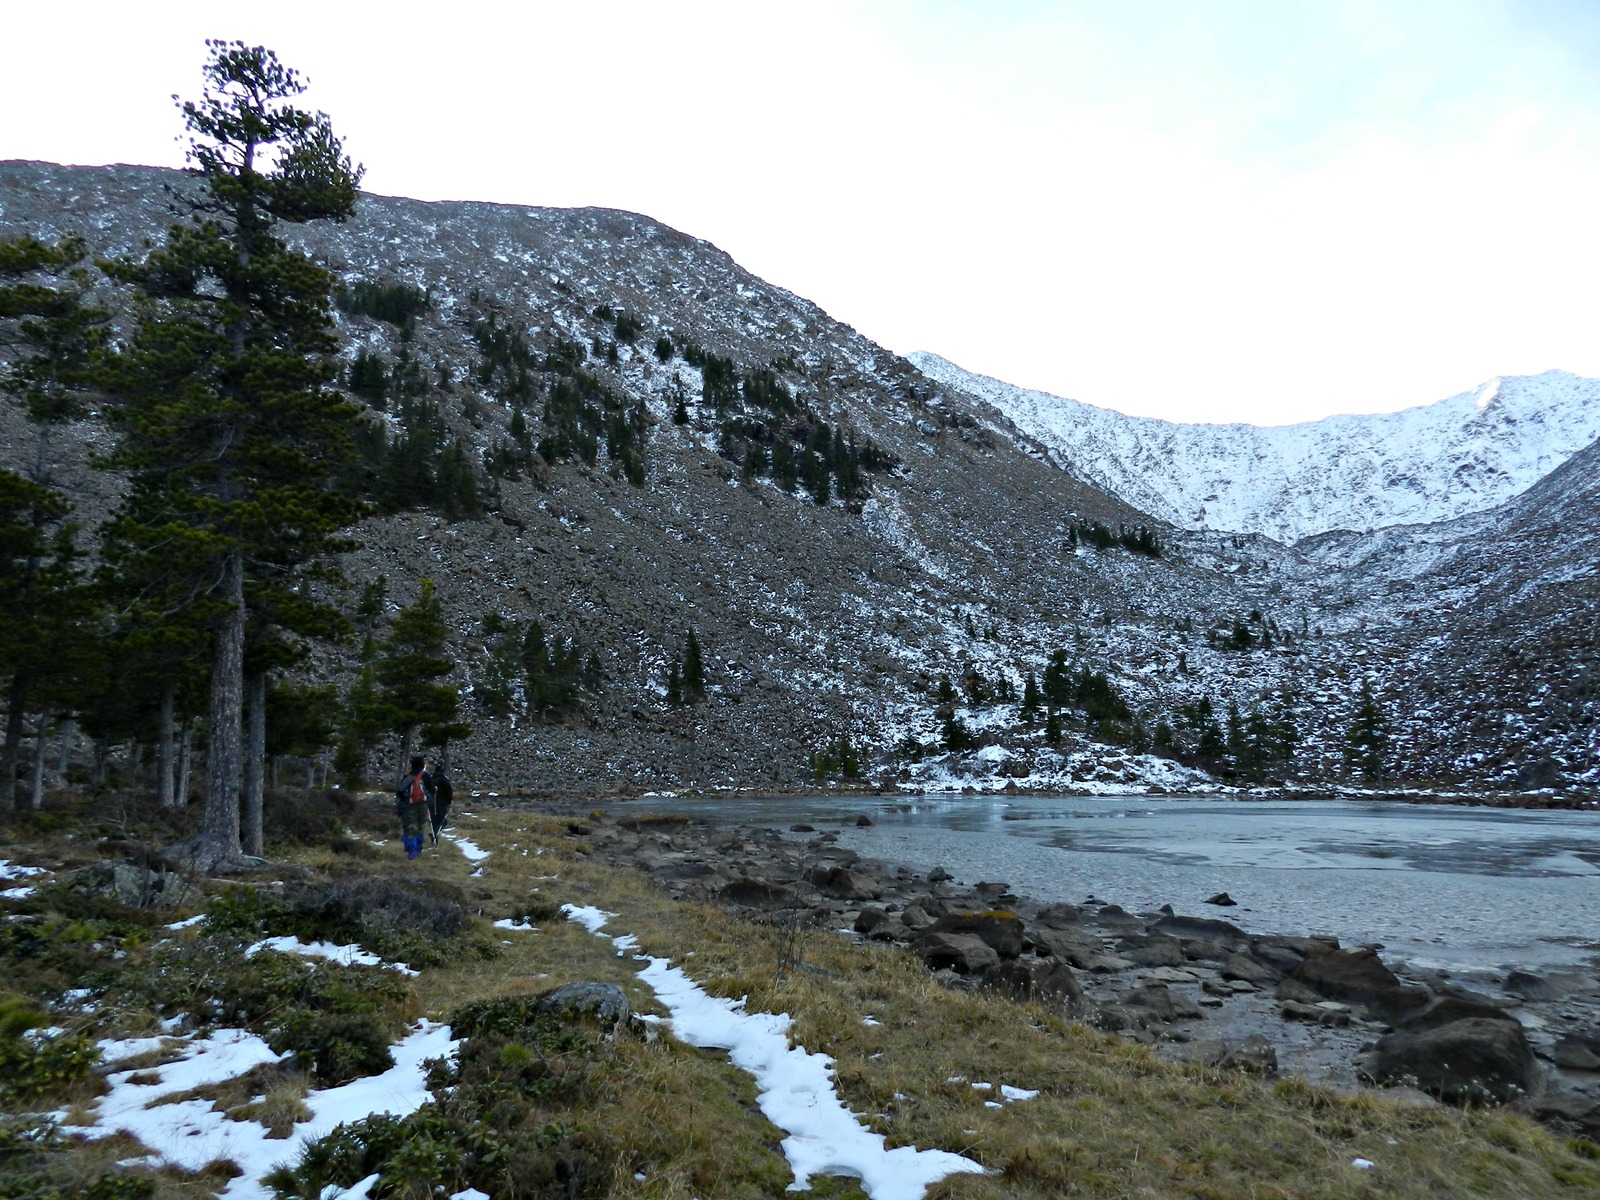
x=413, y=846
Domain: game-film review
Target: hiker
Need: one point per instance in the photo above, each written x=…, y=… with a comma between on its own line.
x=414, y=802
x=443, y=792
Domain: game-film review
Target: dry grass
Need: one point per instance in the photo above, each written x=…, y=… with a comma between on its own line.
x=1109, y=1121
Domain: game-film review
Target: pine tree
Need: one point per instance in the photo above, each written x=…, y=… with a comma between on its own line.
x=411, y=672
x=52, y=334
x=1031, y=700
x=1366, y=745
x=48, y=617
x=694, y=671
x=230, y=430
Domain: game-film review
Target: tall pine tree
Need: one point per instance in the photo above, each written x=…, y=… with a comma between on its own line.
x=230, y=430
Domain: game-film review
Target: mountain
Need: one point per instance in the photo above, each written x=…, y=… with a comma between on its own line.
x=1462, y=455
x=943, y=546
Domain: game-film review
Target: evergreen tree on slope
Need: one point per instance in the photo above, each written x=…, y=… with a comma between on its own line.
x=230, y=431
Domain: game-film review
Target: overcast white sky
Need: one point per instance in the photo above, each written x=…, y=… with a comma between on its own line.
x=1205, y=210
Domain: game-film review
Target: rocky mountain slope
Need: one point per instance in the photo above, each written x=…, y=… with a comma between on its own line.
x=960, y=555
x=1462, y=455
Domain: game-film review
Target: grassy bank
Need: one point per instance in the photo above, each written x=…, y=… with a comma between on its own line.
x=643, y=1115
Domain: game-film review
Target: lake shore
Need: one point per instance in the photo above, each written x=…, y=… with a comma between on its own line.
x=1195, y=992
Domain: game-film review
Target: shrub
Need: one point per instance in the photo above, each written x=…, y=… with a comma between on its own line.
x=34, y=1063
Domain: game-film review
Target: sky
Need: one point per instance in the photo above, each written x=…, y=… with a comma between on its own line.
x=1202, y=210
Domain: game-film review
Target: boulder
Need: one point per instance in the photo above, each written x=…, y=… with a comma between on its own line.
x=869, y=918
x=1160, y=1003
x=1001, y=931
x=1061, y=943
x=1171, y=975
x=1281, y=958
x=1223, y=900
x=1574, y=1052
x=890, y=930
x=752, y=892
x=1332, y=1018
x=1529, y=986
x=605, y=1003
x=1152, y=951
x=845, y=884
x=1044, y=979
x=1202, y=928
x=134, y=886
x=939, y=875
x=1253, y=1054
x=1249, y=969
x=962, y=953
x=864, y=821
x=916, y=917
x=1061, y=916
x=1358, y=977
x=1442, y=1010
x=1471, y=1061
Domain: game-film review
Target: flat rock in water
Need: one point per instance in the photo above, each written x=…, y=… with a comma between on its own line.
x=1577, y=1053
x=1172, y=975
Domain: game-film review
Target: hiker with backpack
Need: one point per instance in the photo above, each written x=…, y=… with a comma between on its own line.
x=414, y=803
x=443, y=793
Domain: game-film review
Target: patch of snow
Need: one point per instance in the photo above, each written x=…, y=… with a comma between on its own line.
x=345, y=956
x=189, y=1135
x=471, y=851
x=795, y=1088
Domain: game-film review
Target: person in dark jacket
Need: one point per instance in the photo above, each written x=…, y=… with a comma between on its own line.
x=414, y=801
x=443, y=793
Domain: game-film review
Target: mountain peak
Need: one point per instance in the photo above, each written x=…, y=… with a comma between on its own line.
x=1464, y=454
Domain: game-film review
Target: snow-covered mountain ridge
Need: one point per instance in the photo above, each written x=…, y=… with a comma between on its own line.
x=1462, y=455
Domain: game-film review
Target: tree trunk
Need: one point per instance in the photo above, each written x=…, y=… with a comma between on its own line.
x=165, y=745
x=36, y=781
x=407, y=735
x=102, y=757
x=185, y=758
x=216, y=845
x=69, y=729
x=13, y=744
x=255, y=754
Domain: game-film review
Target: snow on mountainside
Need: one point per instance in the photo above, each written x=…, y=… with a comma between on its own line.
x=1458, y=456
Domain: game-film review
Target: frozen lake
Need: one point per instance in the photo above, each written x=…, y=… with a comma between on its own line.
x=1465, y=889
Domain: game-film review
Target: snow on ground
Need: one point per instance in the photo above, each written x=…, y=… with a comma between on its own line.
x=189, y=1135
x=795, y=1087
x=10, y=870
x=345, y=956
x=471, y=850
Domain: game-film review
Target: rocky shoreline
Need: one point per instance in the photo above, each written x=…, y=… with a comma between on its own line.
x=1194, y=988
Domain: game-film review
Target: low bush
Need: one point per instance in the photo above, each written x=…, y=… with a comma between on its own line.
x=501, y=1120
x=337, y=1020
x=36, y=1163
x=34, y=1061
